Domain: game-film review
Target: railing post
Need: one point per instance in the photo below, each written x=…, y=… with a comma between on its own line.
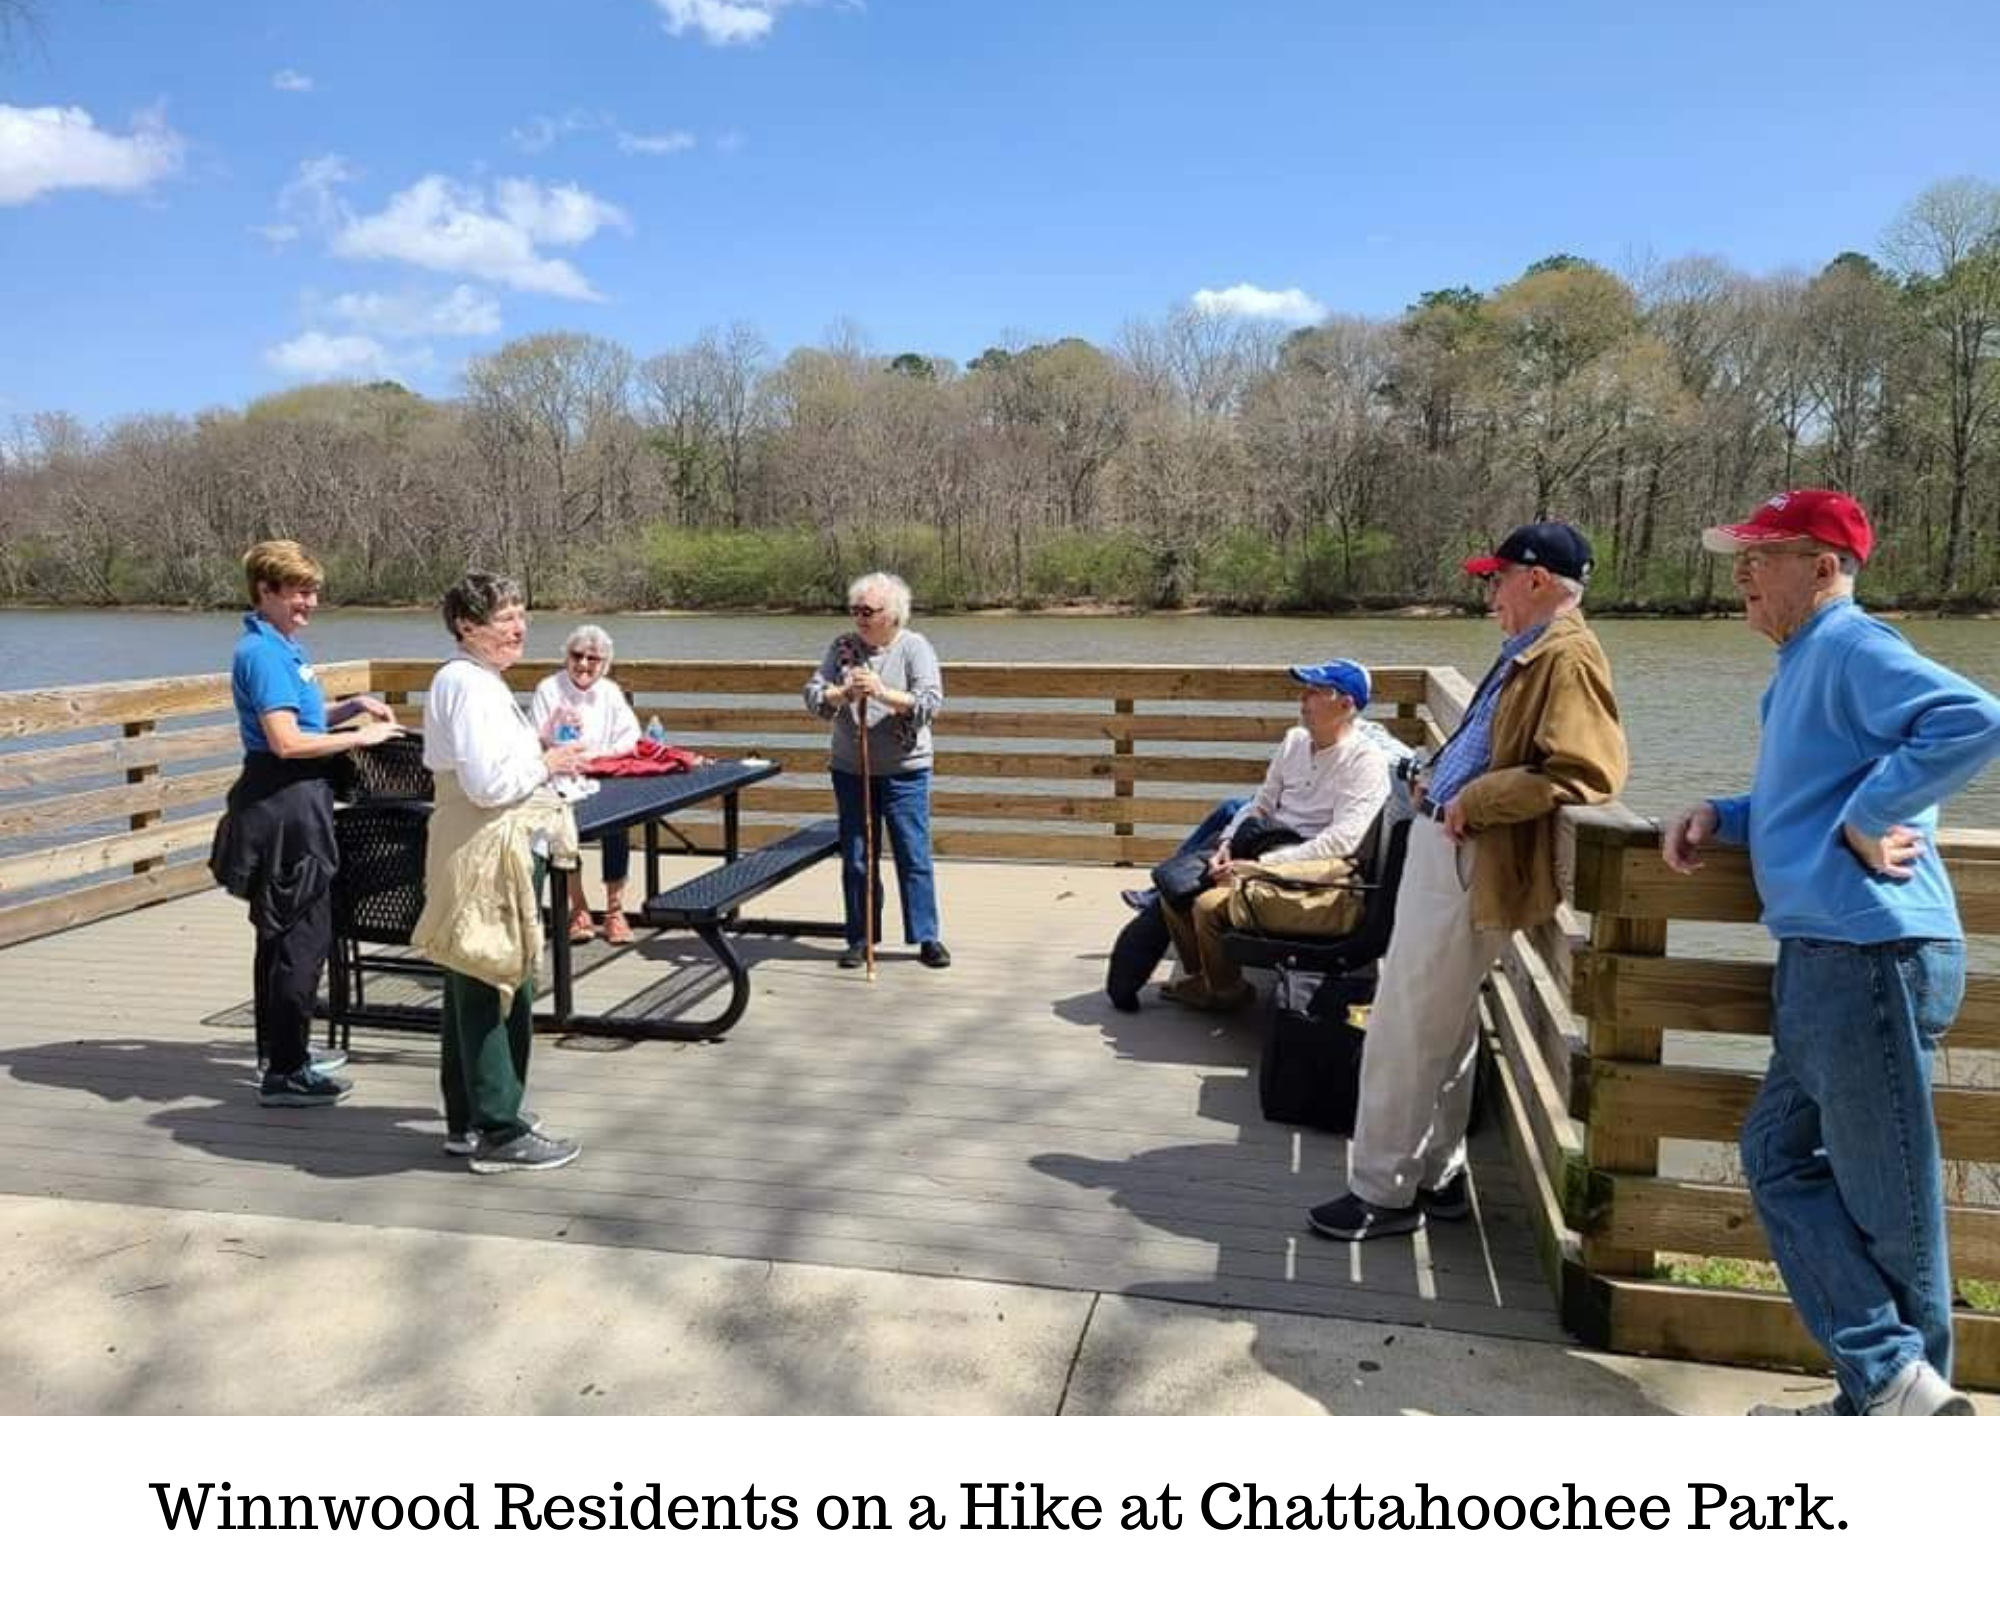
x=1121, y=788
x=1609, y=1149
x=145, y=773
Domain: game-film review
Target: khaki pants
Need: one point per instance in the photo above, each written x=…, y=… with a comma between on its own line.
x=1417, y=1061
x=1197, y=934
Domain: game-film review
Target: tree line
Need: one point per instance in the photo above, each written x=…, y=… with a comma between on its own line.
x=1197, y=458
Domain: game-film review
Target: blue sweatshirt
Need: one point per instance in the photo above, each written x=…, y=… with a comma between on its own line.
x=1857, y=727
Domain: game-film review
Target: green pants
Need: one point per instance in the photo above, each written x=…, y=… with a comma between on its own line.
x=483, y=1067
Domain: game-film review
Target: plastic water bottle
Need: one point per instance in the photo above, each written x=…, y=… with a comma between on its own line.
x=656, y=730
x=567, y=732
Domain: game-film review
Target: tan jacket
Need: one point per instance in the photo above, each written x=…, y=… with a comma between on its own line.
x=481, y=917
x=1556, y=742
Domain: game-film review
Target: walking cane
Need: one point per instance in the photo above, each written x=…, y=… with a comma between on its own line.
x=854, y=651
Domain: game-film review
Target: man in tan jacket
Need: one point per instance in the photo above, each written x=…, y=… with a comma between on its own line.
x=1542, y=731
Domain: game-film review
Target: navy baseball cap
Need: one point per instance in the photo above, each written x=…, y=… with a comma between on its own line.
x=1555, y=546
x=1342, y=676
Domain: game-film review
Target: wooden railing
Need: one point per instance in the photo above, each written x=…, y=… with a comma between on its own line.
x=109, y=792
x=1093, y=764
x=1604, y=1110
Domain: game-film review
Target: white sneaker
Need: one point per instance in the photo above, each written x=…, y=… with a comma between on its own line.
x=463, y=1144
x=1835, y=1407
x=1920, y=1390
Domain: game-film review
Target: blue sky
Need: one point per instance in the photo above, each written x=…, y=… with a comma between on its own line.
x=205, y=200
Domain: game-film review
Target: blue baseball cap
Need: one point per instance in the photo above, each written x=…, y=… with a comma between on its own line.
x=1342, y=676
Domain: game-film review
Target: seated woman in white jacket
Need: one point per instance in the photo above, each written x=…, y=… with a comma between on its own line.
x=580, y=705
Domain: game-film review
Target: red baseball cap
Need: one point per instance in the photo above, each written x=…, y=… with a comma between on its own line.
x=1821, y=515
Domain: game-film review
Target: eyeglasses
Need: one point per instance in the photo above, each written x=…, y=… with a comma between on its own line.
x=1757, y=560
x=863, y=613
x=584, y=655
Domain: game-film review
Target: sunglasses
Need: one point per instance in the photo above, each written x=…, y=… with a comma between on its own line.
x=583, y=655
x=865, y=612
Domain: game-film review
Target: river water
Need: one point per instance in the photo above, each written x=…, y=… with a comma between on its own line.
x=1688, y=690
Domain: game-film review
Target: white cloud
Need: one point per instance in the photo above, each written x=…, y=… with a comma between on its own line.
x=655, y=144
x=311, y=202
x=463, y=313
x=538, y=133
x=1262, y=305
x=318, y=356
x=448, y=227
x=723, y=21
x=290, y=82
x=43, y=148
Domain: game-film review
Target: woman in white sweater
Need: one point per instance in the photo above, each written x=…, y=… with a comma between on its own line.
x=492, y=773
x=579, y=704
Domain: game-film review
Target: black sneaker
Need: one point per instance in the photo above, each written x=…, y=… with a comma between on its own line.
x=1449, y=1202
x=1351, y=1217
x=853, y=956
x=302, y=1088
x=933, y=954
x=525, y=1152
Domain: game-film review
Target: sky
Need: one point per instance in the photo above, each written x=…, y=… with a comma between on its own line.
x=202, y=201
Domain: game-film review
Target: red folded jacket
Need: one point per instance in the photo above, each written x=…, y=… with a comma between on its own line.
x=647, y=760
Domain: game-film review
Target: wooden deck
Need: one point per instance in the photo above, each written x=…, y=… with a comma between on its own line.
x=999, y=1121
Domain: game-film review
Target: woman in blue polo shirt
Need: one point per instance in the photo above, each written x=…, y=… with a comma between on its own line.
x=276, y=847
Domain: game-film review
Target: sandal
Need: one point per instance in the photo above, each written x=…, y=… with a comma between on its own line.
x=581, y=928
x=616, y=929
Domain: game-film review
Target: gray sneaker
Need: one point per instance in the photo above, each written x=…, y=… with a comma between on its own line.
x=525, y=1152
x=467, y=1143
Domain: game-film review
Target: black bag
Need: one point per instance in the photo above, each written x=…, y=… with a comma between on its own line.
x=1180, y=878
x=1311, y=1069
x=1140, y=945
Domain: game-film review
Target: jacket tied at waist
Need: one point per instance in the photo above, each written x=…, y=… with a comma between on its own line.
x=481, y=915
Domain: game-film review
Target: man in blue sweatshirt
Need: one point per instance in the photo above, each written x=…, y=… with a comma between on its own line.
x=1862, y=737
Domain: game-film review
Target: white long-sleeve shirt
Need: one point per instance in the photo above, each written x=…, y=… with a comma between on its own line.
x=476, y=729
x=604, y=716
x=1330, y=797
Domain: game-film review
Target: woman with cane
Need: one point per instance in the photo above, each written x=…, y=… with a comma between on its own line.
x=885, y=679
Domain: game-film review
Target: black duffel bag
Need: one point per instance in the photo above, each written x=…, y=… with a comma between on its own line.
x=1311, y=1070
x=1140, y=945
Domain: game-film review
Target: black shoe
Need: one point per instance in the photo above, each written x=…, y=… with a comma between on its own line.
x=1140, y=900
x=1450, y=1202
x=302, y=1088
x=525, y=1152
x=933, y=954
x=853, y=956
x=1351, y=1217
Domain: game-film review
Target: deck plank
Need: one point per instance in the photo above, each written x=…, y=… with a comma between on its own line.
x=998, y=1122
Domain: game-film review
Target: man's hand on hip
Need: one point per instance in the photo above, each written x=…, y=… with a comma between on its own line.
x=1891, y=854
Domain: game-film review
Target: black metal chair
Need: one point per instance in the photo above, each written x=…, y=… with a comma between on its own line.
x=377, y=897
x=393, y=770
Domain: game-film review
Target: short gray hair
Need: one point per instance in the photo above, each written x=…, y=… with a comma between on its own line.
x=890, y=587
x=1573, y=587
x=478, y=597
x=591, y=636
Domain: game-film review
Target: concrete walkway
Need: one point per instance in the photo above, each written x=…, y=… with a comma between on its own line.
x=135, y=1309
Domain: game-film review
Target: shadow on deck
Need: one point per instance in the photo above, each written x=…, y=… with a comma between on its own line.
x=997, y=1123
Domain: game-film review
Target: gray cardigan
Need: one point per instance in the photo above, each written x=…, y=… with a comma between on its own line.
x=897, y=741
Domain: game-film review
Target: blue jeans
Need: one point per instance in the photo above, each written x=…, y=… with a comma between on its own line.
x=616, y=859
x=903, y=802
x=1202, y=840
x=1841, y=1151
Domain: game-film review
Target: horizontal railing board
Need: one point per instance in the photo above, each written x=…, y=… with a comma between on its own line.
x=1702, y=996
x=1677, y=1102
x=1711, y=1220
x=1745, y=1328
x=58, y=812
x=30, y=769
x=33, y=869
x=72, y=909
x=27, y=713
